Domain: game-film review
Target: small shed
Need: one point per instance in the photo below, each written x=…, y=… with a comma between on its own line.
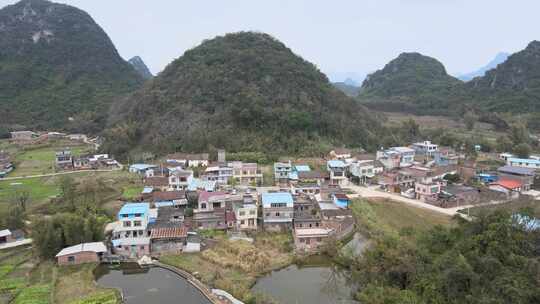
x=81, y=253
x=5, y=236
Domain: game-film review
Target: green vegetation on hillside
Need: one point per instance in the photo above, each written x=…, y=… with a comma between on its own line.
x=55, y=63
x=244, y=92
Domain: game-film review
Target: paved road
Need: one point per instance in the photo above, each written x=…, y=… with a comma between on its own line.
x=372, y=192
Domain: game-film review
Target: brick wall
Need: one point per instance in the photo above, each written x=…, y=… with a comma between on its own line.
x=79, y=258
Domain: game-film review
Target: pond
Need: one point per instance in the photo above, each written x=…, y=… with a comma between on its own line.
x=149, y=285
x=307, y=285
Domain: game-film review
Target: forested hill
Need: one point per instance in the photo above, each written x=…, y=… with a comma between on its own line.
x=242, y=91
x=141, y=67
x=56, y=63
x=412, y=81
x=513, y=86
x=419, y=84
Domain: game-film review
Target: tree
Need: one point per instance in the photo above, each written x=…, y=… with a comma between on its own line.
x=523, y=150
x=470, y=120
x=519, y=134
x=68, y=191
x=21, y=197
x=504, y=144
x=15, y=218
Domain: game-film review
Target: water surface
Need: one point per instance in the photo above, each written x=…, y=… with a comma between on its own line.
x=307, y=285
x=150, y=285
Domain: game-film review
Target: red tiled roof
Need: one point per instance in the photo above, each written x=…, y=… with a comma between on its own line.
x=509, y=183
x=169, y=232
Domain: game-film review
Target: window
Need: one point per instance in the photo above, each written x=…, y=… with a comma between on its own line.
x=242, y=222
x=277, y=214
x=137, y=223
x=203, y=205
x=71, y=258
x=216, y=205
x=127, y=224
x=242, y=213
x=138, y=215
x=142, y=247
x=278, y=205
x=252, y=212
x=124, y=215
x=267, y=214
x=302, y=240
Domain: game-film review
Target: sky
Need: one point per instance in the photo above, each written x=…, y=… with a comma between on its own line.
x=343, y=38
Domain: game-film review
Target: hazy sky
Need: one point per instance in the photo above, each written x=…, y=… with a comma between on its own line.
x=338, y=36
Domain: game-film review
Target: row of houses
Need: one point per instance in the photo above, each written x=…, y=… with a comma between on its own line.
x=65, y=160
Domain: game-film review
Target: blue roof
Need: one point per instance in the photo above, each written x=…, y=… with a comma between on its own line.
x=302, y=168
x=140, y=167
x=517, y=170
x=525, y=160
x=336, y=164
x=133, y=208
x=278, y=197
x=293, y=175
x=147, y=190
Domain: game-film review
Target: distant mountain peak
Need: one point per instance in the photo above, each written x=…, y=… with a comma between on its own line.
x=499, y=58
x=141, y=67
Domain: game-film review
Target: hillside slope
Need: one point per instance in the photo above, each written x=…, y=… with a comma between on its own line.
x=513, y=86
x=411, y=81
x=244, y=92
x=141, y=67
x=56, y=63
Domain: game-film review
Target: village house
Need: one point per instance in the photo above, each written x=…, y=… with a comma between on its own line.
x=64, y=159
x=246, y=215
x=176, y=199
x=209, y=201
x=306, y=213
x=189, y=160
x=511, y=188
x=310, y=239
x=197, y=184
x=282, y=171
x=297, y=169
x=341, y=221
x=6, y=236
x=525, y=175
x=396, y=181
x=366, y=170
x=81, y=253
x=246, y=173
x=23, y=136
x=459, y=194
x=532, y=163
x=221, y=173
x=337, y=169
x=278, y=210
x=179, y=179
x=167, y=233
x=506, y=156
x=130, y=234
x=214, y=219
x=396, y=157
x=309, y=182
x=142, y=169
x=340, y=153
x=427, y=189
x=425, y=148
x=157, y=183
x=446, y=157
x=341, y=200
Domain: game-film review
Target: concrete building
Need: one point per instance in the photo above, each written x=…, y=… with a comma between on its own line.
x=337, y=169
x=425, y=148
x=278, y=210
x=532, y=163
x=130, y=235
x=81, y=253
x=179, y=179
x=282, y=171
x=246, y=173
x=310, y=239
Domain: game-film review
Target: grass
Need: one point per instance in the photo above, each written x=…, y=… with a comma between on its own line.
x=132, y=192
x=376, y=217
x=36, y=161
x=40, y=188
x=75, y=284
x=513, y=206
x=234, y=266
x=36, y=294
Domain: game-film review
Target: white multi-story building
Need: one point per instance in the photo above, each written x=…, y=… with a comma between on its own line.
x=425, y=148
x=337, y=169
x=396, y=157
x=220, y=173
x=246, y=173
x=130, y=236
x=179, y=179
